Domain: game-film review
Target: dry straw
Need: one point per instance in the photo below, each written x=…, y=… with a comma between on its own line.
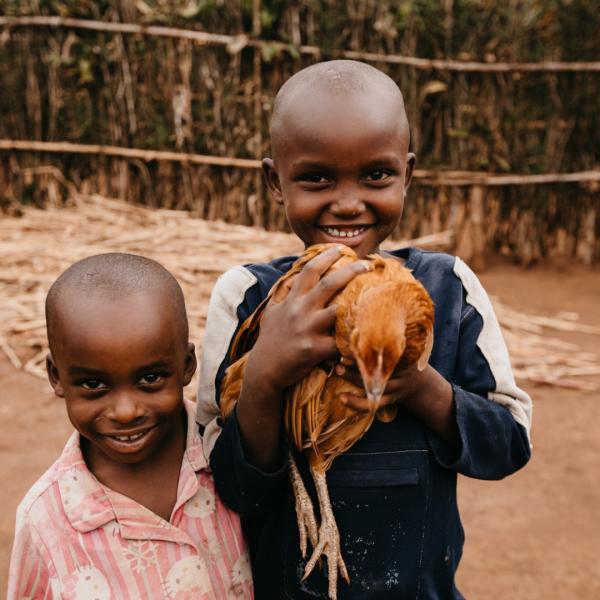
x=40, y=244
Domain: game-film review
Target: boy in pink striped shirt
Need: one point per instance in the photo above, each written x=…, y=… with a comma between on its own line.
x=129, y=510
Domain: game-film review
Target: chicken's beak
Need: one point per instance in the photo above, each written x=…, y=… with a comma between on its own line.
x=374, y=383
x=374, y=389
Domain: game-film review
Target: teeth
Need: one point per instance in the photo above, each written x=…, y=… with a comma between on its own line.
x=344, y=234
x=129, y=438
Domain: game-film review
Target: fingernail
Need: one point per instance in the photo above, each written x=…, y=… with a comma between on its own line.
x=343, y=399
x=364, y=265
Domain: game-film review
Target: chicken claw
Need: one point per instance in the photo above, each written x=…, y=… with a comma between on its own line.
x=329, y=540
x=305, y=513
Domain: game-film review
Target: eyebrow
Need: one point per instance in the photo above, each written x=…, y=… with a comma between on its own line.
x=74, y=371
x=383, y=159
x=311, y=165
x=159, y=364
x=153, y=366
x=377, y=161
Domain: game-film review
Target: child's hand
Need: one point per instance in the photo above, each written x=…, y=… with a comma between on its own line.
x=296, y=333
x=404, y=384
x=426, y=394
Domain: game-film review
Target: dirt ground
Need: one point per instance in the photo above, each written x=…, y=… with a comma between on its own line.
x=533, y=536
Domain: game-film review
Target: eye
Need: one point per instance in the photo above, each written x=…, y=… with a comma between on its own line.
x=378, y=175
x=92, y=385
x=151, y=378
x=314, y=178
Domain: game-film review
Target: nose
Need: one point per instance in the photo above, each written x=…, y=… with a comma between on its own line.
x=347, y=203
x=125, y=409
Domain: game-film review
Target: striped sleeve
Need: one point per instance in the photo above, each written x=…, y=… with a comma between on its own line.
x=28, y=575
x=493, y=348
x=493, y=414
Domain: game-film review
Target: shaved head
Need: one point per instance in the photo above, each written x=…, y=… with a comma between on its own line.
x=113, y=277
x=345, y=81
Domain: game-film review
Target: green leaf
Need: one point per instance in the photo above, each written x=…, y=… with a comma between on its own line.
x=458, y=133
x=85, y=71
x=293, y=51
x=269, y=52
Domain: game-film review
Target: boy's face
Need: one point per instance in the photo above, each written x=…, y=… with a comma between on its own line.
x=342, y=168
x=121, y=366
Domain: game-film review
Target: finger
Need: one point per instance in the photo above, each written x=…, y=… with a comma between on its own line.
x=315, y=269
x=283, y=290
x=405, y=371
x=327, y=287
x=325, y=349
x=350, y=375
x=324, y=319
x=347, y=367
x=347, y=361
x=387, y=399
x=361, y=403
x=354, y=401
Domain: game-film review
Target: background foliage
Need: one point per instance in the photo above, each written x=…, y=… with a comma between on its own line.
x=61, y=84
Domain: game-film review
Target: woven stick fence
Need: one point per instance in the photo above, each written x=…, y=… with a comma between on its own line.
x=238, y=42
x=427, y=176
x=36, y=247
x=177, y=116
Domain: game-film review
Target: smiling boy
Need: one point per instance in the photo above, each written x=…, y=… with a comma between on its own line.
x=347, y=149
x=128, y=510
x=340, y=167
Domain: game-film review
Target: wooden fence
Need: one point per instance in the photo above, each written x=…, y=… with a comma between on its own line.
x=530, y=215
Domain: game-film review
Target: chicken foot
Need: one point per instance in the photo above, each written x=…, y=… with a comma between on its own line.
x=329, y=539
x=305, y=514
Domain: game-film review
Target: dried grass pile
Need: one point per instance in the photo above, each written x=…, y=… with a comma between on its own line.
x=36, y=247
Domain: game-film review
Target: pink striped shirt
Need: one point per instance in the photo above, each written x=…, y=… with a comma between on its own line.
x=76, y=538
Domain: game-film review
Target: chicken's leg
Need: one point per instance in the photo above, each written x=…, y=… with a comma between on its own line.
x=304, y=508
x=329, y=539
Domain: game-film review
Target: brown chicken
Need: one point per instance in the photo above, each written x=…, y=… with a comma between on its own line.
x=384, y=320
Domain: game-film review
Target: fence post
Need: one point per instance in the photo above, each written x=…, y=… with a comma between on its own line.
x=587, y=239
x=469, y=229
x=477, y=218
x=259, y=204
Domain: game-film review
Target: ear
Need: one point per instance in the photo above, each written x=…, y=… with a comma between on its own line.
x=272, y=179
x=190, y=364
x=410, y=165
x=53, y=376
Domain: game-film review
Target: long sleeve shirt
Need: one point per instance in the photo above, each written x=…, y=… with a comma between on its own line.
x=394, y=492
x=76, y=538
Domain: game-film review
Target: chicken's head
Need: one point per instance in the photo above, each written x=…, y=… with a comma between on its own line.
x=378, y=338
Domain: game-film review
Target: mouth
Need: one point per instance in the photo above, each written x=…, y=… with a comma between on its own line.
x=130, y=442
x=344, y=232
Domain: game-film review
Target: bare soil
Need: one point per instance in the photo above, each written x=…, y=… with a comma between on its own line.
x=533, y=536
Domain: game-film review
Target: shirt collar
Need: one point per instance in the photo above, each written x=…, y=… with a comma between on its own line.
x=194, y=452
x=89, y=505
